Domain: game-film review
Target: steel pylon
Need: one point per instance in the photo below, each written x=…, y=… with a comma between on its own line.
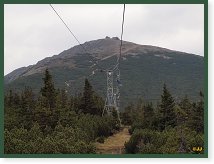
x=112, y=101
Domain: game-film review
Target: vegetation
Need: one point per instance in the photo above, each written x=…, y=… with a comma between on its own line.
x=142, y=75
x=169, y=128
x=55, y=122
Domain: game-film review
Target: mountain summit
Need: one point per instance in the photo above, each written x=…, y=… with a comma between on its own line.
x=144, y=69
x=100, y=49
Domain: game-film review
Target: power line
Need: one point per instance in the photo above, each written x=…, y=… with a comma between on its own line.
x=67, y=27
x=76, y=38
x=92, y=58
x=121, y=39
x=112, y=97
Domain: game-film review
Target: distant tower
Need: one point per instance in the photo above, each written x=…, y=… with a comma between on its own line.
x=110, y=98
x=112, y=94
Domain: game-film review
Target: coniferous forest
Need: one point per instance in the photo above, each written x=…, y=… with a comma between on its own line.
x=52, y=121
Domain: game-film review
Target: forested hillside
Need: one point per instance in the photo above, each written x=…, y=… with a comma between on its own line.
x=143, y=68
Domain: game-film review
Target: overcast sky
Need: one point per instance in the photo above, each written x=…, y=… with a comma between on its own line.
x=33, y=32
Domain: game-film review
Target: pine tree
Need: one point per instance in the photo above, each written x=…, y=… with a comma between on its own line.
x=88, y=105
x=48, y=91
x=167, y=110
x=186, y=105
x=196, y=120
x=46, y=113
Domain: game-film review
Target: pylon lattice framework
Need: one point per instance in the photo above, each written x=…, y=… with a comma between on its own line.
x=113, y=94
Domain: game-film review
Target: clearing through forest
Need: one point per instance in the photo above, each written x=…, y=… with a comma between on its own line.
x=115, y=143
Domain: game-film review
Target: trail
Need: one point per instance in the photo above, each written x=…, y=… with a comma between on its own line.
x=114, y=144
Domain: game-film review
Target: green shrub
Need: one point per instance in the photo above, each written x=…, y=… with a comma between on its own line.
x=169, y=141
x=144, y=141
x=147, y=148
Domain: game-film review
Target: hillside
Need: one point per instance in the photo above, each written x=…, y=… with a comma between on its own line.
x=144, y=69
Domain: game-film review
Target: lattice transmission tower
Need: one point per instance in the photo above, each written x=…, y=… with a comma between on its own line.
x=113, y=93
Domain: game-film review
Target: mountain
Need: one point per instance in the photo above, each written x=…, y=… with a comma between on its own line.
x=144, y=69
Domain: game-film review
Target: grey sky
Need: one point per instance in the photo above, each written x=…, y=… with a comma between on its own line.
x=33, y=32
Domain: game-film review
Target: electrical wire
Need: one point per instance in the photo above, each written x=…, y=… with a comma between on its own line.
x=67, y=27
x=121, y=37
x=76, y=38
x=92, y=58
x=121, y=40
x=121, y=43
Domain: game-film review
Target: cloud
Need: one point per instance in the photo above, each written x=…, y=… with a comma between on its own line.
x=33, y=32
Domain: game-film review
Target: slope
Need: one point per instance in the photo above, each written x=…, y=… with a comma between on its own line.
x=144, y=69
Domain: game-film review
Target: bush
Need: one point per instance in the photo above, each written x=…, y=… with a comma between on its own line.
x=136, y=125
x=73, y=136
x=169, y=141
x=62, y=140
x=145, y=141
x=147, y=148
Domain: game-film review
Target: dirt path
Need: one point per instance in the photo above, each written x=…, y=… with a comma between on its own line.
x=114, y=144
